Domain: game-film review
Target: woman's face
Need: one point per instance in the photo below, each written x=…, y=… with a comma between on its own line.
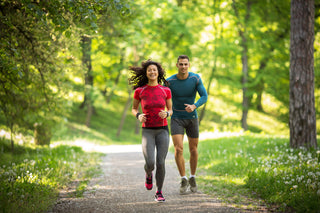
x=152, y=72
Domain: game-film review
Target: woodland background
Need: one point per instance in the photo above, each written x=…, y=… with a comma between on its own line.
x=61, y=57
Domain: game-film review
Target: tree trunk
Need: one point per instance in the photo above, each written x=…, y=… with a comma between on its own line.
x=203, y=111
x=124, y=113
x=11, y=137
x=42, y=134
x=245, y=98
x=244, y=59
x=179, y=2
x=136, y=59
x=302, y=106
x=86, y=62
x=214, y=13
x=260, y=89
x=116, y=81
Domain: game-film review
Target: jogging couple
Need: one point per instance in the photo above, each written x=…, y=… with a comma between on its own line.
x=161, y=98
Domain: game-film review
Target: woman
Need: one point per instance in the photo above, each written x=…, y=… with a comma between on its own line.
x=154, y=98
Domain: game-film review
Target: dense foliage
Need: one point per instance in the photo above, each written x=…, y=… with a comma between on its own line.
x=37, y=41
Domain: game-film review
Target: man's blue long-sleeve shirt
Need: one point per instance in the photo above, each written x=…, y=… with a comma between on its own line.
x=184, y=92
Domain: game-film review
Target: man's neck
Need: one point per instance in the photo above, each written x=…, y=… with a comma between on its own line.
x=181, y=76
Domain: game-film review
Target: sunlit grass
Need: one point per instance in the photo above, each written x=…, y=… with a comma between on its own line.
x=31, y=177
x=267, y=124
x=224, y=112
x=103, y=128
x=238, y=169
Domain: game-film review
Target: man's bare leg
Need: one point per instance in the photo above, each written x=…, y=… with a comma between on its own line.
x=178, y=153
x=193, y=148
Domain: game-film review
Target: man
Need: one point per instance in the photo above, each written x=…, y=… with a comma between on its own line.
x=184, y=86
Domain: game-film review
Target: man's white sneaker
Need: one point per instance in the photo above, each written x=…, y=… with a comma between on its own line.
x=183, y=185
x=193, y=184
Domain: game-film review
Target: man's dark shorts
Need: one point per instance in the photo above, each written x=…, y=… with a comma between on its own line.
x=190, y=125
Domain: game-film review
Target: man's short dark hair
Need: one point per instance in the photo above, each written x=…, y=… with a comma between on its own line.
x=182, y=57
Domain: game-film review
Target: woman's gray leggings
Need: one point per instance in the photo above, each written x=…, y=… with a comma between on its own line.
x=159, y=139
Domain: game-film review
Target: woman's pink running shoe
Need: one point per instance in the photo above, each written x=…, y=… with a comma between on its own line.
x=148, y=184
x=159, y=197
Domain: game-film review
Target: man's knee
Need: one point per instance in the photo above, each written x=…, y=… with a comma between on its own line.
x=193, y=151
x=178, y=150
x=193, y=146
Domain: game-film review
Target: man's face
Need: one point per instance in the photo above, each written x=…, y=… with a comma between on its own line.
x=183, y=65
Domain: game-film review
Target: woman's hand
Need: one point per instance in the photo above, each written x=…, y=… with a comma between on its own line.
x=163, y=114
x=142, y=118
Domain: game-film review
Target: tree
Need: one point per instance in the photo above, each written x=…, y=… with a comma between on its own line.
x=302, y=106
x=35, y=36
x=242, y=29
x=31, y=76
x=96, y=12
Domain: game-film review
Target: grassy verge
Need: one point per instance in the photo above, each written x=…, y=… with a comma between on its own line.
x=31, y=177
x=242, y=169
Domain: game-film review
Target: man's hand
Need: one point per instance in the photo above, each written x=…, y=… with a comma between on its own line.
x=190, y=108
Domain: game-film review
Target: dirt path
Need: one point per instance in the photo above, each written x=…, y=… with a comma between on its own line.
x=121, y=188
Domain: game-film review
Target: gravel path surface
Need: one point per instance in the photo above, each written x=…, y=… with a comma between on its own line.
x=121, y=188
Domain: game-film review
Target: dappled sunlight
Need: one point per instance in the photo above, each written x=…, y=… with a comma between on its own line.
x=85, y=130
x=273, y=106
x=267, y=124
x=217, y=134
x=17, y=138
x=91, y=147
x=224, y=178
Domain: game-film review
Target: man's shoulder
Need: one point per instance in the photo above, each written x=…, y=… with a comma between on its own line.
x=192, y=74
x=173, y=77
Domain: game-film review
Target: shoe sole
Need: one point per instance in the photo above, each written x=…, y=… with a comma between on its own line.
x=193, y=189
x=183, y=190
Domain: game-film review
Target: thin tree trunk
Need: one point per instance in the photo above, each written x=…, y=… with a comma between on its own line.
x=89, y=114
x=203, y=111
x=11, y=137
x=136, y=59
x=245, y=76
x=244, y=60
x=116, y=81
x=86, y=62
x=124, y=113
x=302, y=106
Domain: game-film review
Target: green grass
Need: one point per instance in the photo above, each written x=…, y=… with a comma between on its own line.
x=251, y=169
x=30, y=178
x=103, y=127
